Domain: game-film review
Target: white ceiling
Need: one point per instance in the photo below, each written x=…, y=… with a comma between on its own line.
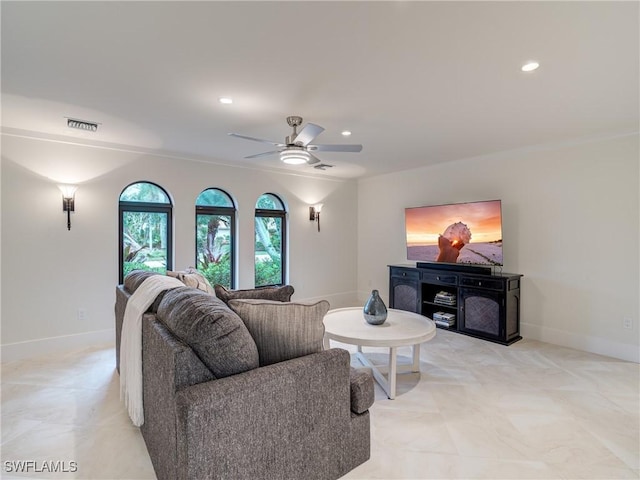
x=417, y=83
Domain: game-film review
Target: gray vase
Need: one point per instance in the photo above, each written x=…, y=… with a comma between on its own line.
x=375, y=311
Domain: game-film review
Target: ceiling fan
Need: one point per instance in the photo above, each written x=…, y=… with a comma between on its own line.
x=297, y=147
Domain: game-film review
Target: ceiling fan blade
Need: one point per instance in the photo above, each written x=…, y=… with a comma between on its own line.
x=256, y=139
x=335, y=148
x=308, y=133
x=263, y=154
x=313, y=159
x=323, y=166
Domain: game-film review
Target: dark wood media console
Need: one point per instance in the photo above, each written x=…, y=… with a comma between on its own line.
x=482, y=304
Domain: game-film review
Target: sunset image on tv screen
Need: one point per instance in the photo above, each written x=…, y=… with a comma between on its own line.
x=456, y=233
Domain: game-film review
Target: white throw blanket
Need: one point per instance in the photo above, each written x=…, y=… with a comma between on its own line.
x=131, y=342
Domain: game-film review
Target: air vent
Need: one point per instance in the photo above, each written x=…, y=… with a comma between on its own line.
x=82, y=125
x=323, y=166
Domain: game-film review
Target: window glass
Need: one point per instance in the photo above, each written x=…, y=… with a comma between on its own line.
x=215, y=236
x=270, y=241
x=268, y=201
x=214, y=197
x=144, y=192
x=145, y=231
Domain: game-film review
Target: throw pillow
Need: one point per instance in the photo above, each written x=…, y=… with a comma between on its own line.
x=278, y=294
x=193, y=278
x=215, y=333
x=283, y=331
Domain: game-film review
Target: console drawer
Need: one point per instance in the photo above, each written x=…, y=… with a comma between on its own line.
x=405, y=273
x=439, y=278
x=482, y=283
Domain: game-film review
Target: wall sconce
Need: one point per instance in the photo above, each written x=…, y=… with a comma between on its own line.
x=314, y=213
x=68, y=201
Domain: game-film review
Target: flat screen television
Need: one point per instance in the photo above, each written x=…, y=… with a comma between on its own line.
x=462, y=233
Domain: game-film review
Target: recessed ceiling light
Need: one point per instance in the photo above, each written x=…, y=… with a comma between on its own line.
x=226, y=100
x=530, y=66
x=346, y=133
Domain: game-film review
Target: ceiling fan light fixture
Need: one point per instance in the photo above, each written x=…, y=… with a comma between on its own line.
x=294, y=156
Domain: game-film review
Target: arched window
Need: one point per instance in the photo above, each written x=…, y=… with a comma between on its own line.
x=270, y=245
x=144, y=229
x=215, y=236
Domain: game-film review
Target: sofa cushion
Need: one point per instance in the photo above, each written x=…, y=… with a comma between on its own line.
x=278, y=294
x=191, y=277
x=283, y=330
x=214, y=332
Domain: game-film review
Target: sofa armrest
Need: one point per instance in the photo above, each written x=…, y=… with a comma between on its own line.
x=280, y=421
x=362, y=390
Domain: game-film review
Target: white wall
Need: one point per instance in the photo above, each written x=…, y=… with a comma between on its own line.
x=48, y=273
x=570, y=226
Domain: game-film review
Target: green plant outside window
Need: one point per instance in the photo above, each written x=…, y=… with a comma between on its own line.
x=145, y=229
x=270, y=222
x=215, y=232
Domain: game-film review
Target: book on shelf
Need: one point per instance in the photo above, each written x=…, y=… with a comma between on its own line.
x=443, y=324
x=444, y=316
x=448, y=304
x=445, y=298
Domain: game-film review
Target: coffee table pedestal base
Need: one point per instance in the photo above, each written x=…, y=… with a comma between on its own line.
x=388, y=382
x=401, y=329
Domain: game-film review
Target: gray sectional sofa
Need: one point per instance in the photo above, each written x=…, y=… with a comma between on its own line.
x=245, y=405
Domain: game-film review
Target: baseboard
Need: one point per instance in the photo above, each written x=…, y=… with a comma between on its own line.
x=586, y=343
x=65, y=343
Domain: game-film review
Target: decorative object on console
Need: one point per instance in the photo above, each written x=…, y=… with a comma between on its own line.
x=375, y=311
x=68, y=201
x=314, y=213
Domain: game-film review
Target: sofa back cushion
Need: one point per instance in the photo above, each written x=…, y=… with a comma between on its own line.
x=278, y=294
x=214, y=332
x=135, y=278
x=283, y=331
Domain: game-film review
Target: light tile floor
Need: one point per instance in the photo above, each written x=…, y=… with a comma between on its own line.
x=476, y=411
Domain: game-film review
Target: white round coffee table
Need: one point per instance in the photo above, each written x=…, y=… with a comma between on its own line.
x=401, y=329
